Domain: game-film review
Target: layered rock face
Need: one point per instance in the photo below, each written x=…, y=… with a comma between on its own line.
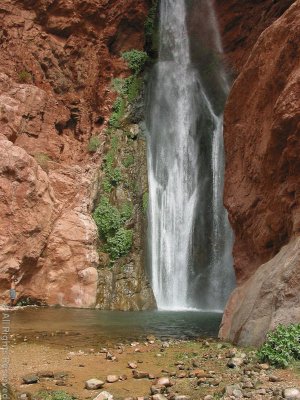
x=262, y=184
x=57, y=60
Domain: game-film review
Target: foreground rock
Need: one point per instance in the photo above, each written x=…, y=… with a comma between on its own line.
x=104, y=396
x=247, y=317
x=291, y=393
x=30, y=379
x=93, y=384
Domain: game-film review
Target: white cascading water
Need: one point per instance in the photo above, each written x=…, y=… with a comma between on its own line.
x=177, y=101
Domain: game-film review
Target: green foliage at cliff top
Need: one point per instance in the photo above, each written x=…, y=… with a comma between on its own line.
x=282, y=346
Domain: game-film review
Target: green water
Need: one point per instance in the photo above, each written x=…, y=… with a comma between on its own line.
x=79, y=327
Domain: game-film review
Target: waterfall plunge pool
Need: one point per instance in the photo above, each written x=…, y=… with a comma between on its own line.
x=75, y=328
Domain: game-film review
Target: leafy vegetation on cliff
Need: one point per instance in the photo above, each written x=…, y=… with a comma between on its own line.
x=119, y=162
x=110, y=222
x=282, y=346
x=136, y=60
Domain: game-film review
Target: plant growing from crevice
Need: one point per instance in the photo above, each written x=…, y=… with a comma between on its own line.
x=110, y=222
x=24, y=76
x=128, y=161
x=120, y=244
x=93, y=144
x=136, y=60
x=118, y=112
x=282, y=346
x=145, y=202
x=112, y=175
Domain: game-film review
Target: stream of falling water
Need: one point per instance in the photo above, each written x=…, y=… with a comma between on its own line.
x=180, y=113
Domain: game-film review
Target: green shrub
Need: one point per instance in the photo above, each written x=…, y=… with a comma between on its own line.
x=110, y=221
x=42, y=159
x=114, y=175
x=135, y=59
x=93, y=144
x=282, y=346
x=126, y=212
x=106, y=185
x=133, y=86
x=107, y=218
x=118, y=113
x=128, y=161
x=120, y=244
x=129, y=87
x=53, y=395
x=25, y=76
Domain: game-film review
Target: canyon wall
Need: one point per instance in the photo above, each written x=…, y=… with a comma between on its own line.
x=262, y=183
x=57, y=62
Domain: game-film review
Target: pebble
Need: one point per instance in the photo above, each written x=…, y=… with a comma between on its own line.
x=104, y=396
x=237, y=393
x=235, y=362
x=157, y=389
x=112, y=378
x=132, y=365
x=274, y=378
x=151, y=338
x=264, y=366
x=159, y=396
x=93, y=384
x=140, y=374
x=60, y=382
x=181, y=397
x=291, y=394
x=164, y=381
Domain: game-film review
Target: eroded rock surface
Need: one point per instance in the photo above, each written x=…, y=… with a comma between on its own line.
x=57, y=61
x=270, y=297
x=262, y=185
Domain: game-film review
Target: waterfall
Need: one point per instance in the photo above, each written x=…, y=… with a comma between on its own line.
x=189, y=235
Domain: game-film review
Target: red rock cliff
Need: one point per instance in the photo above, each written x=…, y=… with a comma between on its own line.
x=57, y=59
x=262, y=182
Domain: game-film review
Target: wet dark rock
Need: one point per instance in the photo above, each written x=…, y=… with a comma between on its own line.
x=30, y=379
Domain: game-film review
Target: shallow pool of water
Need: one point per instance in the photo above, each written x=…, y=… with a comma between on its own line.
x=75, y=327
